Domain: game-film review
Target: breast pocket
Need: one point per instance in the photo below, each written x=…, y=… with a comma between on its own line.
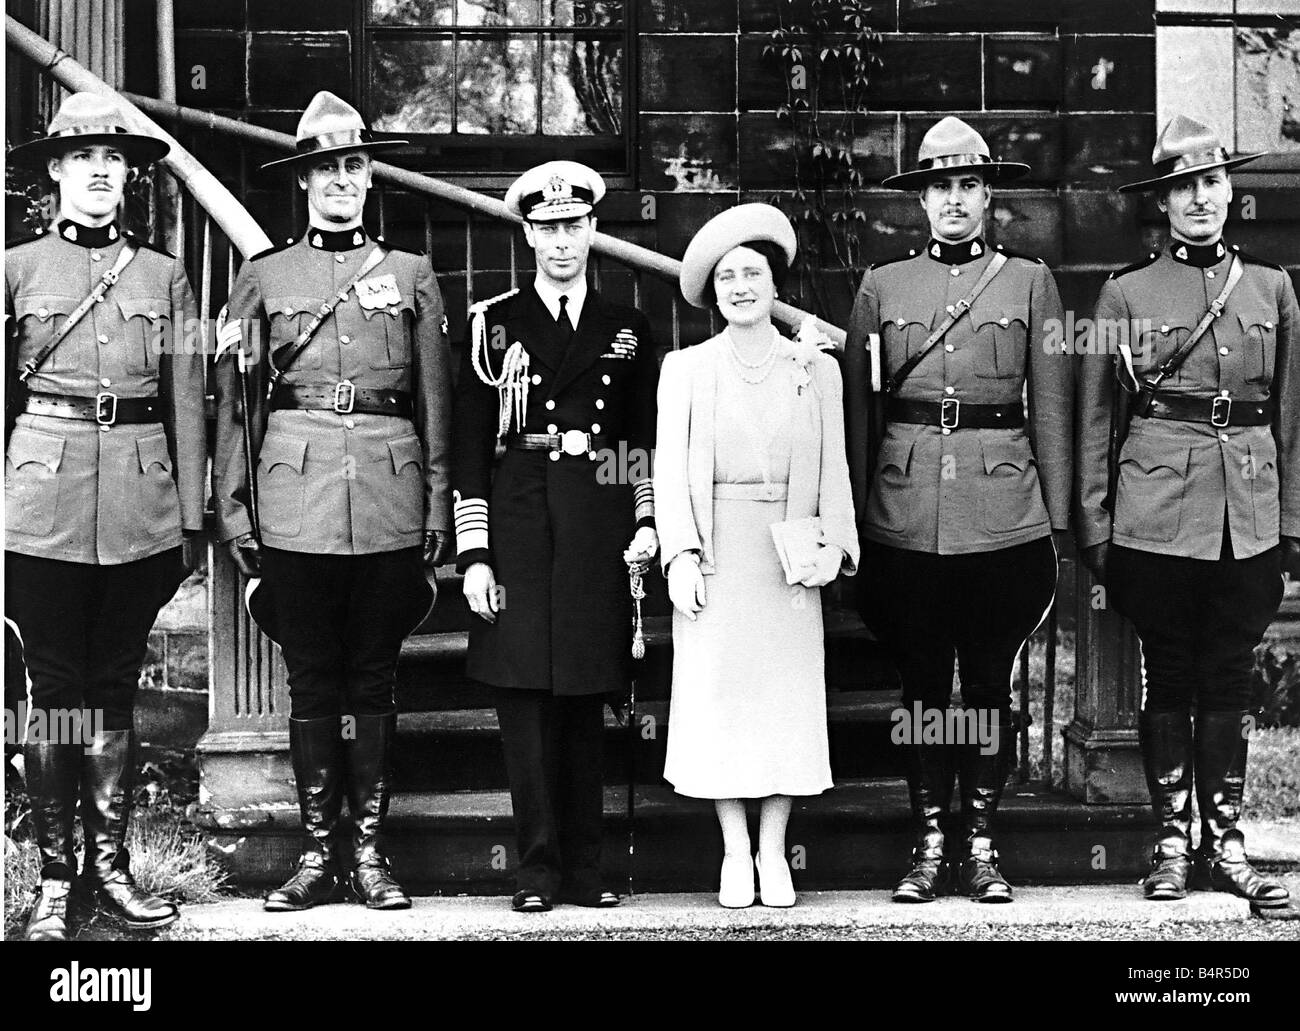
x=281, y=484
x=1157, y=343
x=1149, y=498
x=1001, y=333
x=31, y=481
x=1012, y=497
x=1259, y=338
x=159, y=502
x=889, y=505
x=38, y=319
x=289, y=316
x=390, y=328
x=147, y=330
x=903, y=333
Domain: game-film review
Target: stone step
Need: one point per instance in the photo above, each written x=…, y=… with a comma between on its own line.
x=855, y=836
x=457, y=749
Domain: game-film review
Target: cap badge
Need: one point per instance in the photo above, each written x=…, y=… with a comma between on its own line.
x=557, y=189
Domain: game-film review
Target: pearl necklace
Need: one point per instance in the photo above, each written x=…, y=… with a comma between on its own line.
x=767, y=363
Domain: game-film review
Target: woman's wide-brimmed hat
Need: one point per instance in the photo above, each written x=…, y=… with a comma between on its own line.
x=744, y=223
x=84, y=119
x=1186, y=147
x=951, y=146
x=331, y=126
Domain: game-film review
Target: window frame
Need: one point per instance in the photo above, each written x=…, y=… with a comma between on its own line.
x=425, y=145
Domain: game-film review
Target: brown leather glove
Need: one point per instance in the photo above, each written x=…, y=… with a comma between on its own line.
x=246, y=554
x=437, y=546
x=1096, y=559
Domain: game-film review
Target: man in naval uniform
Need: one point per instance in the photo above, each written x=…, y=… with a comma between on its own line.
x=1198, y=514
x=958, y=506
x=564, y=379
x=104, y=481
x=346, y=335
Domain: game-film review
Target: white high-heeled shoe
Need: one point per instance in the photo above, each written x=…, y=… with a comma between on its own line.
x=736, y=890
x=775, y=887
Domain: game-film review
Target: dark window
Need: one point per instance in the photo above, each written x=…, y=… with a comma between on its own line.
x=484, y=86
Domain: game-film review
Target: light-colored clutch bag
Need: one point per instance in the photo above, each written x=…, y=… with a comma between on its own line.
x=797, y=543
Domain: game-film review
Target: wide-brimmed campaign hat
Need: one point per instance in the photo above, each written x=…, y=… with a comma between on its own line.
x=555, y=190
x=951, y=146
x=745, y=223
x=1186, y=147
x=330, y=125
x=84, y=119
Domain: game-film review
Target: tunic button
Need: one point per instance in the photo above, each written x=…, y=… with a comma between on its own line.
x=946, y=432
x=105, y=382
x=600, y=404
x=955, y=272
x=103, y=429
x=1223, y=350
x=550, y=406
x=103, y=339
x=1209, y=273
x=153, y=314
x=1004, y=321
x=339, y=258
x=350, y=424
x=96, y=256
x=898, y=322
x=536, y=379
x=951, y=308
x=950, y=390
x=605, y=380
x=288, y=311
x=555, y=456
x=1164, y=329
x=1223, y=437
x=595, y=427
x=42, y=312
x=344, y=338
x=947, y=347
x=1268, y=324
x=552, y=428
x=1223, y=393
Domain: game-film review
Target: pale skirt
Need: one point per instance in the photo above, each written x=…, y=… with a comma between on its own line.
x=748, y=711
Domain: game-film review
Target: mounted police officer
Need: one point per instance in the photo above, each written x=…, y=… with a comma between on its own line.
x=565, y=379
x=957, y=491
x=104, y=470
x=1197, y=514
x=344, y=338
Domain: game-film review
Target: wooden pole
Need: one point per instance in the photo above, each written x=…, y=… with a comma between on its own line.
x=169, y=195
x=620, y=250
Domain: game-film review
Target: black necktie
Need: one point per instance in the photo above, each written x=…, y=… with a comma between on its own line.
x=563, y=327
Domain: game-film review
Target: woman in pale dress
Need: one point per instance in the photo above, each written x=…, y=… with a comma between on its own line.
x=750, y=434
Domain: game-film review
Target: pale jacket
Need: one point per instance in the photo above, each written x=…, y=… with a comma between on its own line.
x=684, y=456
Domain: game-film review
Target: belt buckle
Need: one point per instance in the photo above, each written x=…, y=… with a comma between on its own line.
x=343, y=389
x=106, y=418
x=1217, y=420
x=949, y=408
x=575, y=442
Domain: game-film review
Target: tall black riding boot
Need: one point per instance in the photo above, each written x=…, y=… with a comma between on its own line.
x=51, y=775
x=368, y=789
x=1221, y=863
x=107, y=775
x=316, y=749
x=983, y=772
x=930, y=770
x=1166, y=739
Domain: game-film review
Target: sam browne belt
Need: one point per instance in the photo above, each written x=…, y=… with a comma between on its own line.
x=104, y=408
x=345, y=398
x=952, y=414
x=1217, y=411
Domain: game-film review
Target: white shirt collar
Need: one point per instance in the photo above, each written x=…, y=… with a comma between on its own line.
x=577, y=294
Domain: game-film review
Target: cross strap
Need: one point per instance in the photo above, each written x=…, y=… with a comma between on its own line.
x=1147, y=388
x=959, y=309
x=292, y=351
x=106, y=281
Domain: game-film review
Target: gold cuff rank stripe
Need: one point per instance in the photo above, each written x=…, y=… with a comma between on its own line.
x=643, y=492
x=471, y=516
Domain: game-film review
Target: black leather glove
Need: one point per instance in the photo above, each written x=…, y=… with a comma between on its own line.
x=437, y=546
x=191, y=542
x=246, y=554
x=1291, y=557
x=1096, y=559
